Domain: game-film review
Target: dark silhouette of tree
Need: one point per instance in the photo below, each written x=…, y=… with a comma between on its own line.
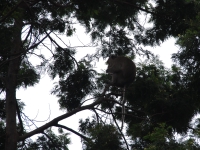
x=159, y=103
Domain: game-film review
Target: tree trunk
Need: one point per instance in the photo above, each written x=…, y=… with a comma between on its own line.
x=13, y=69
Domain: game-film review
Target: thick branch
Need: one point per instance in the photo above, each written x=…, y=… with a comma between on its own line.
x=55, y=121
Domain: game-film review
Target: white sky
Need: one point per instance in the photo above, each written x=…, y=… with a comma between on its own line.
x=42, y=106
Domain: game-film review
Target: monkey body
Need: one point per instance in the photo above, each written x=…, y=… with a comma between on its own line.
x=122, y=69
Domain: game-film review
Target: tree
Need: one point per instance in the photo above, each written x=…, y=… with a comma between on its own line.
x=157, y=99
x=103, y=136
x=25, y=25
x=180, y=20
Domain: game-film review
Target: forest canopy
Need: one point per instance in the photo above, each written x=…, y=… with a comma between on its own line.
x=161, y=102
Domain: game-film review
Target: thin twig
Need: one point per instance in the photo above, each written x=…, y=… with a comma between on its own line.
x=119, y=129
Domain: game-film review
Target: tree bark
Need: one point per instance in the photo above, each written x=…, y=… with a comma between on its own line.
x=11, y=82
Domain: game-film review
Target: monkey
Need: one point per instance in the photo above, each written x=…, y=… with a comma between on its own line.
x=123, y=72
x=122, y=69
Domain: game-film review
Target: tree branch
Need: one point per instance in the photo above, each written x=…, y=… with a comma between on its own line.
x=29, y=32
x=73, y=131
x=61, y=48
x=51, y=139
x=119, y=128
x=35, y=45
x=55, y=121
x=19, y=118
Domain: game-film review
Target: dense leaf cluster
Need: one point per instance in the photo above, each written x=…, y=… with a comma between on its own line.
x=103, y=136
x=74, y=88
x=49, y=141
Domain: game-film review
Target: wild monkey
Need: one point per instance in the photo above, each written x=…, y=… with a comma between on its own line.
x=122, y=69
x=123, y=72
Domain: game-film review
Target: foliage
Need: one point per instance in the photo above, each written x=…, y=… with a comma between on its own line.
x=103, y=136
x=74, y=88
x=161, y=101
x=169, y=19
x=49, y=141
x=161, y=96
x=160, y=139
x=158, y=95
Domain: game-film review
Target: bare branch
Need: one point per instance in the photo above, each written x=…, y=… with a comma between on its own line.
x=97, y=115
x=73, y=131
x=55, y=121
x=119, y=128
x=28, y=120
x=29, y=32
x=62, y=48
x=51, y=139
x=35, y=45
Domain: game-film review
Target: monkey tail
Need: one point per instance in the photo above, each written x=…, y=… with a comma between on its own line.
x=123, y=107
